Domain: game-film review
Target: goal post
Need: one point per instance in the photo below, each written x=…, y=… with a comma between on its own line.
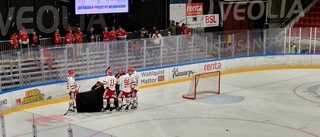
x=206, y=83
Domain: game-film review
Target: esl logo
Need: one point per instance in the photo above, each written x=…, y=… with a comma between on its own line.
x=211, y=20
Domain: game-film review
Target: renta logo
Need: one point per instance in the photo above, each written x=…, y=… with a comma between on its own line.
x=212, y=66
x=194, y=9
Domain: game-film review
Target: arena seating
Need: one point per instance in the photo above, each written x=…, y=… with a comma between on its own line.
x=311, y=18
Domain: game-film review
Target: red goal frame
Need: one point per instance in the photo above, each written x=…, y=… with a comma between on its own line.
x=198, y=76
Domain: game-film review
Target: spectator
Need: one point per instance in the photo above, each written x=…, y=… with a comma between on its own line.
x=35, y=39
x=144, y=33
x=91, y=36
x=293, y=48
x=14, y=41
x=153, y=30
x=121, y=33
x=157, y=41
x=169, y=33
x=113, y=34
x=178, y=28
x=156, y=38
x=57, y=38
x=78, y=38
x=305, y=50
x=106, y=35
x=186, y=31
x=172, y=28
x=70, y=37
x=70, y=45
x=270, y=49
x=170, y=41
x=23, y=38
x=136, y=50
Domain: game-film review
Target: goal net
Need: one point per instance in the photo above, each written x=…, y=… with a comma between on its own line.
x=204, y=84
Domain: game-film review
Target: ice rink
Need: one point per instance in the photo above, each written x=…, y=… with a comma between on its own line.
x=273, y=103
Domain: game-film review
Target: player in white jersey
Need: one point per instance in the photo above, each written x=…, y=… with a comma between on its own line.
x=110, y=87
x=134, y=87
x=125, y=91
x=73, y=90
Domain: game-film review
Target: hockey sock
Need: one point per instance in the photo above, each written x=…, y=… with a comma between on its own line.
x=105, y=103
x=128, y=101
x=120, y=102
x=135, y=101
x=71, y=103
x=112, y=102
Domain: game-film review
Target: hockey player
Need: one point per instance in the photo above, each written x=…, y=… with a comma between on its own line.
x=125, y=91
x=134, y=83
x=134, y=71
x=110, y=87
x=73, y=91
x=118, y=76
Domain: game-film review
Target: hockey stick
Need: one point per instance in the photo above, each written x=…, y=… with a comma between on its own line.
x=67, y=111
x=69, y=105
x=107, y=69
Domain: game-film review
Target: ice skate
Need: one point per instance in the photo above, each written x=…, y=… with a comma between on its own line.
x=119, y=108
x=103, y=110
x=72, y=110
x=111, y=108
x=133, y=107
x=127, y=107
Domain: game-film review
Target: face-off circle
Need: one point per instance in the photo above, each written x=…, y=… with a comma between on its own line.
x=309, y=92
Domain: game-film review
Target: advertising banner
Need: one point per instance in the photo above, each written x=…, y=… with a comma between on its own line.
x=153, y=76
x=194, y=9
x=178, y=13
x=183, y=71
x=211, y=20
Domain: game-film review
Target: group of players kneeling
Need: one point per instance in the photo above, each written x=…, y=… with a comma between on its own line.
x=117, y=88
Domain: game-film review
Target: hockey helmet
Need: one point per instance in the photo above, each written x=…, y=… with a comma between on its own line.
x=110, y=73
x=124, y=71
x=132, y=67
x=131, y=70
x=71, y=72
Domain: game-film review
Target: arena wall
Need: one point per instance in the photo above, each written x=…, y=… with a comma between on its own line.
x=57, y=91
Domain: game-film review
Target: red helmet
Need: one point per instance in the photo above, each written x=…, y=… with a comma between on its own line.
x=132, y=67
x=124, y=71
x=110, y=73
x=71, y=72
x=130, y=70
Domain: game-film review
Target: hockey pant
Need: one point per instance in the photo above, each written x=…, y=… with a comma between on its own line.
x=108, y=94
x=126, y=95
